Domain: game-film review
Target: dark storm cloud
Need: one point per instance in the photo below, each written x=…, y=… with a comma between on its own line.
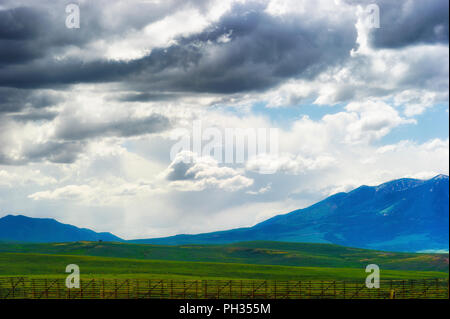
x=71, y=137
x=52, y=151
x=411, y=22
x=71, y=129
x=55, y=152
x=34, y=115
x=31, y=33
x=36, y=29
x=50, y=74
x=15, y=100
x=263, y=51
x=18, y=28
x=145, y=97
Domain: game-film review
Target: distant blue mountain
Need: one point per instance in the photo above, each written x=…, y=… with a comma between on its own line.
x=42, y=230
x=401, y=215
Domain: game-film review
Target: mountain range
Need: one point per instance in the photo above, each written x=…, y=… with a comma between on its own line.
x=43, y=230
x=401, y=215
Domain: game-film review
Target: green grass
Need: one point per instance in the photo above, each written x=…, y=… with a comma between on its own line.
x=249, y=260
x=53, y=266
x=257, y=253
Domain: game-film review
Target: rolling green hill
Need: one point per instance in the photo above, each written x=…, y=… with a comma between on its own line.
x=256, y=253
x=53, y=266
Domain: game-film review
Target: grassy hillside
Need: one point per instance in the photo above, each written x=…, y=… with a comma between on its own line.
x=259, y=253
x=53, y=266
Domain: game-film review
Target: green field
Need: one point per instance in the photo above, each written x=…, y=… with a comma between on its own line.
x=251, y=260
x=53, y=266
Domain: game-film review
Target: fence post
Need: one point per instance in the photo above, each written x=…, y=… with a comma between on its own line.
x=253, y=289
x=390, y=284
x=275, y=289
x=394, y=289
x=265, y=288
x=437, y=286
x=34, y=288
x=58, y=289
x=218, y=289
x=137, y=289
x=231, y=289
x=392, y=294
x=448, y=286
x=344, y=288
x=13, y=288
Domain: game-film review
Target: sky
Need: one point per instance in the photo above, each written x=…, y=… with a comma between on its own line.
x=99, y=119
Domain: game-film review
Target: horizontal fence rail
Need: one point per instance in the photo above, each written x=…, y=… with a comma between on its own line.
x=33, y=288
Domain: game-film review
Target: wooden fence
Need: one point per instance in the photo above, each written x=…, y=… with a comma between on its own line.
x=26, y=288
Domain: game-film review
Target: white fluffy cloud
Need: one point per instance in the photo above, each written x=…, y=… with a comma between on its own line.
x=288, y=163
x=188, y=172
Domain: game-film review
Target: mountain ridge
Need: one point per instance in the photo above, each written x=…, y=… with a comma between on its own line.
x=400, y=215
x=405, y=213
x=21, y=228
